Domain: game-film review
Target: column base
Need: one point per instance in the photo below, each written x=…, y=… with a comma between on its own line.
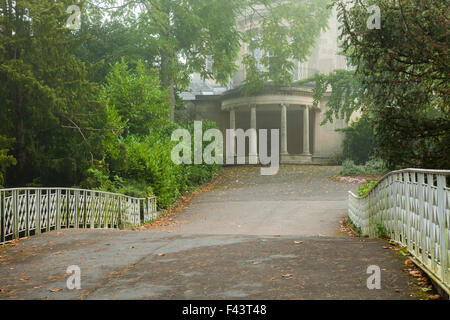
x=296, y=159
x=253, y=159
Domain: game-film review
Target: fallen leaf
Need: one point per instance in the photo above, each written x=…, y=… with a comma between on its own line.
x=277, y=236
x=435, y=297
x=255, y=262
x=287, y=276
x=298, y=242
x=25, y=279
x=38, y=287
x=131, y=247
x=55, y=290
x=416, y=273
x=397, y=290
x=2, y=290
x=161, y=255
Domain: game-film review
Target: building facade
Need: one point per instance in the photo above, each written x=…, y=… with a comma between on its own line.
x=290, y=109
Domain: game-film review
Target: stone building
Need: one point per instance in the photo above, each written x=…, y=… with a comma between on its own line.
x=290, y=109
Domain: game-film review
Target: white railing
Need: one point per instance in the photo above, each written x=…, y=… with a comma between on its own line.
x=29, y=211
x=412, y=207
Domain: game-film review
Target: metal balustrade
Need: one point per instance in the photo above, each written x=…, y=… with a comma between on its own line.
x=412, y=207
x=29, y=211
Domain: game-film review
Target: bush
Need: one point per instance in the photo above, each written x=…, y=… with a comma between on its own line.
x=350, y=169
x=372, y=167
x=359, y=141
x=375, y=166
x=138, y=162
x=365, y=188
x=5, y=159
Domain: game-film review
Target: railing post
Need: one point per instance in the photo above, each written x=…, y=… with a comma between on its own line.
x=15, y=214
x=119, y=217
x=85, y=208
x=38, y=211
x=390, y=206
x=93, y=200
x=77, y=208
x=48, y=210
x=441, y=199
x=27, y=214
x=407, y=211
x=58, y=210
x=2, y=217
x=430, y=184
x=420, y=183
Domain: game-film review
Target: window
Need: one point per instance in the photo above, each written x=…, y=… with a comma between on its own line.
x=209, y=63
x=257, y=54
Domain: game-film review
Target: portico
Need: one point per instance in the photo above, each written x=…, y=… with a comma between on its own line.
x=293, y=114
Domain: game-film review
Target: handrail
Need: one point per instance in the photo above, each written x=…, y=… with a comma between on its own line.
x=410, y=170
x=29, y=211
x=412, y=208
x=75, y=189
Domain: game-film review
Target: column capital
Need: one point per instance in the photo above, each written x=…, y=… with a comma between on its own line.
x=285, y=105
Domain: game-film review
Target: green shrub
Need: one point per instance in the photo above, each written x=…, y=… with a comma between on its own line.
x=375, y=166
x=364, y=189
x=349, y=168
x=372, y=167
x=5, y=159
x=138, y=162
x=381, y=231
x=359, y=141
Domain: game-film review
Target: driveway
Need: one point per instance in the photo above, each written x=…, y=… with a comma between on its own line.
x=299, y=200
x=249, y=237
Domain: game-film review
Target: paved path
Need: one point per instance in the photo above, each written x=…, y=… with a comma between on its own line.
x=227, y=250
x=299, y=200
x=141, y=265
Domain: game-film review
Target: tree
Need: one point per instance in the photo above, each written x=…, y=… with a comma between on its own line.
x=137, y=97
x=283, y=31
x=109, y=41
x=400, y=78
x=47, y=103
x=187, y=33
x=6, y=160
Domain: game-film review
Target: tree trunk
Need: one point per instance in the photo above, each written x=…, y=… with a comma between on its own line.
x=20, y=137
x=167, y=81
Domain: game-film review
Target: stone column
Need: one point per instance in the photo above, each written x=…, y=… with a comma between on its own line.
x=233, y=127
x=306, y=150
x=284, y=149
x=232, y=119
x=253, y=154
